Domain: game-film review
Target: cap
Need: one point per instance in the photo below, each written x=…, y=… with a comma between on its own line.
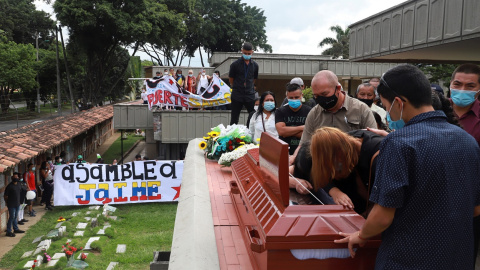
x=98, y=156
x=80, y=157
x=297, y=80
x=437, y=88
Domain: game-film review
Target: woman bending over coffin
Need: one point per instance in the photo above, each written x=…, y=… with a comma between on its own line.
x=339, y=164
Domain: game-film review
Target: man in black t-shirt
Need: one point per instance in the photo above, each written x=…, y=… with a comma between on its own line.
x=242, y=77
x=12, y=199
x=290, y=119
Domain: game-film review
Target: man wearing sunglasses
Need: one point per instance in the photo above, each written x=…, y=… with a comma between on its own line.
x=426, y=188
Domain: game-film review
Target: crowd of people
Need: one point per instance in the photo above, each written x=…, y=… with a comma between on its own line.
x=21, y=193
x=18, y=199
x=400, y=153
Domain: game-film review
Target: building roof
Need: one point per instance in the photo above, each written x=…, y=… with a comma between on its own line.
x=24, y=143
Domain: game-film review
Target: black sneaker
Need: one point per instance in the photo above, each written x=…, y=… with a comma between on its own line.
x=24, y=220
x=48, y=208
x=18, y=231
x=20, y=223
x=32, y=214
x=10, y=234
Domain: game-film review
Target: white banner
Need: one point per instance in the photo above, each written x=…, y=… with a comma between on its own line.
x=166, y=91
x=133, y=182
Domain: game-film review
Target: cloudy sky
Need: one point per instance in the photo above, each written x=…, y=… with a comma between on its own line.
x=296, y=27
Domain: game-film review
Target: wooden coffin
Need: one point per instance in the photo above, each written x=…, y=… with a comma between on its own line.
x=271, y=227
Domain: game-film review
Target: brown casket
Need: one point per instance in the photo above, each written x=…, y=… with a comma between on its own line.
x=271, y=227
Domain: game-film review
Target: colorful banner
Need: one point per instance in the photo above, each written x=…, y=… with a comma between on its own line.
x=167, y=92
x=133, y=182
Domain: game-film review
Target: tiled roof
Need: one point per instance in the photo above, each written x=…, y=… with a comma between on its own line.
x=24, y=143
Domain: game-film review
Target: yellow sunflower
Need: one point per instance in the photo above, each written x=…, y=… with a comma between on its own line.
x=214, y=134
x=258, y=139
x=206, y=138
x=202, y=145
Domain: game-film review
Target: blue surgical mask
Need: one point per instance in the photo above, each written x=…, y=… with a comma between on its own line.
x=269, y=105
x=463, y=98
x=294, y=103
x=395, y=125
x=247, y=57
x=33, y=169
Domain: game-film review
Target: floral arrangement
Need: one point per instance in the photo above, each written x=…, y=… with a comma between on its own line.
x=224, y=139
x=83, y=256
x=227, y=158
x=69, y=250
x=46, y=257
x=60, y=219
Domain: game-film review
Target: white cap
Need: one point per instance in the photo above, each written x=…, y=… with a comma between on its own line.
x=297, y=80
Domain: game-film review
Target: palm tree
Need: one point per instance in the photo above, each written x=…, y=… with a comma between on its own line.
x=339, y=46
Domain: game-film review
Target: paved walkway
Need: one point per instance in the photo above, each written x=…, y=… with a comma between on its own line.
x=103, y=148
x=9, y=242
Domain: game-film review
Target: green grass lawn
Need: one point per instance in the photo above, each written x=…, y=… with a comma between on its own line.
x=144, y=228
x=115, y=151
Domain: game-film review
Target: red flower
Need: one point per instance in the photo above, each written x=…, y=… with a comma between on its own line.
x=238, y=140
x=230, y=142
x=34, y=261
x=230, y=147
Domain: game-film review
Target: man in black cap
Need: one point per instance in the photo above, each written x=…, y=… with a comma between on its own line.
x=12, y=198
x=242, y=76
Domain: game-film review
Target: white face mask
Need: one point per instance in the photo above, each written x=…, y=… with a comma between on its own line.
x=203, y=73
x=255, y=107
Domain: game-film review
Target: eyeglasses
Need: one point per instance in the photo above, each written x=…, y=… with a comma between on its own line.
x=382, y=81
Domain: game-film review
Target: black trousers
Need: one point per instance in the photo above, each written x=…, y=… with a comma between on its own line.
x=47, y=193
x=237, y=107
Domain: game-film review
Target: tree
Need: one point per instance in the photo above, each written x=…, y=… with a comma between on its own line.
x=438, y=73
x=22, y=23
x=212, y=25
x=17, y=70
x=339, y=45
x=101, y=31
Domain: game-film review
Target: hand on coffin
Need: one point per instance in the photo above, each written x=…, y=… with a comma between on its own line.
x=380, y=132
x=351, y=239
x=341, y=198
x=300, y=187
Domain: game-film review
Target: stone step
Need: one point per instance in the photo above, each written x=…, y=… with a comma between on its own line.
x=90, y=241
x=52, y=263
x=79, y=233
x=82, y=225
x=27, y=254
x=112, y=265
x=121, y=248
x=57, y=256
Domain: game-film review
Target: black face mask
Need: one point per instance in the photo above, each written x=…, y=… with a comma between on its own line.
x=327, y=102
x=369, y=102
x=14, y=180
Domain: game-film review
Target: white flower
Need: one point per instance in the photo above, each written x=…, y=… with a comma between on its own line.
x=227, y=158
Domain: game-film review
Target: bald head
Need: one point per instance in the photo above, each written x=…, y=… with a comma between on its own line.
x=325, y=77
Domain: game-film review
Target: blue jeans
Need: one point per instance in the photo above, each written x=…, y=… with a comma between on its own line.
x=12, y=218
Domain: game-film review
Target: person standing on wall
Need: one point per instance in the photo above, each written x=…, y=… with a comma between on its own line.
x=242, y=76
